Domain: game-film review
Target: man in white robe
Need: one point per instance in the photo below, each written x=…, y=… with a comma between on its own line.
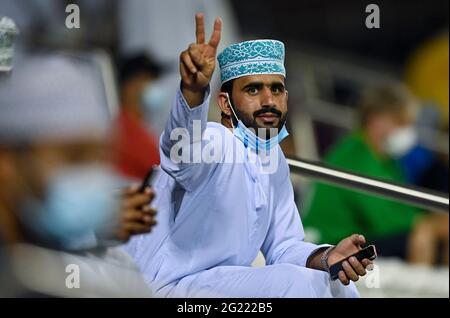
x=224, y=193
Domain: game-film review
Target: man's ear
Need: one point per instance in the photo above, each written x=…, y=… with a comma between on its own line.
x=222, y=101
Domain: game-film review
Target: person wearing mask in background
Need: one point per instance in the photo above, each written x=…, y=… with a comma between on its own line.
x=135, y=147
x=59, y=200
x=387, y=114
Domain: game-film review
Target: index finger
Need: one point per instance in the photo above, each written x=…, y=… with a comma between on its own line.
x=128, y=190
x=200, y=28
x=215, y=37
x=136, y=201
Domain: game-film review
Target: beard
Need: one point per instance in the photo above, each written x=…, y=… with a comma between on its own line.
x=262, y=131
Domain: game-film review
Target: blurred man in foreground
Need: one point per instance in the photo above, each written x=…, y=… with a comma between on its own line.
x=58, y=192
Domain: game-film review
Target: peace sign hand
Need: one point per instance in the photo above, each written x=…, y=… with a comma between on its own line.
x=198, y=61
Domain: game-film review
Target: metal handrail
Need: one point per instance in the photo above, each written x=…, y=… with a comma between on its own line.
x=407, y=194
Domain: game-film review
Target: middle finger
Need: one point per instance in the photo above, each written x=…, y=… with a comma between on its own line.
x=357, y=266
x=349, y=271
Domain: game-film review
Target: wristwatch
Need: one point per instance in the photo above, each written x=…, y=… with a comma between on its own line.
x=324, y=258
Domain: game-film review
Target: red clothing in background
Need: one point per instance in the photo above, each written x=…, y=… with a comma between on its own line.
x=135, y=149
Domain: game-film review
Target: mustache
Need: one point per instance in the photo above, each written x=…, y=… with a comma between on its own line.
x=272, y=110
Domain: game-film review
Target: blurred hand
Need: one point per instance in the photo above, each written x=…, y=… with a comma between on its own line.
x=197, y=63
x=137, y=217
x=353, y=269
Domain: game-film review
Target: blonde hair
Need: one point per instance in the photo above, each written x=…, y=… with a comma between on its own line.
x=386, y=98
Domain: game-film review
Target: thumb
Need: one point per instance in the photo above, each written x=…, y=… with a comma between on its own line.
x=358, y=239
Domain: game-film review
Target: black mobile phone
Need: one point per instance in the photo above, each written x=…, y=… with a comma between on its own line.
x=148, y=179
x=368, y=252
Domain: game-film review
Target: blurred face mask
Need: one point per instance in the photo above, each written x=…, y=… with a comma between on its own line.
x=78, y=203
x=400, y=141
x=154, y=97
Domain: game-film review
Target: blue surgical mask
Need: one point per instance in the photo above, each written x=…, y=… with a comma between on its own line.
x=155, y=97
x=78, y=203
x=251, y=140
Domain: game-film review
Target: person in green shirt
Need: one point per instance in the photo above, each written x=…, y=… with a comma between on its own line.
x=386, y=114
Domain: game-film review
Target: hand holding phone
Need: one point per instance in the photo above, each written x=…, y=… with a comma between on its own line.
x=368, y=252
x=148, y=180
x=137, y=216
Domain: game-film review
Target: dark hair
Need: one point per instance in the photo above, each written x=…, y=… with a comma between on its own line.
x=131, y=66
x=227, y=87
x=389, y=97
